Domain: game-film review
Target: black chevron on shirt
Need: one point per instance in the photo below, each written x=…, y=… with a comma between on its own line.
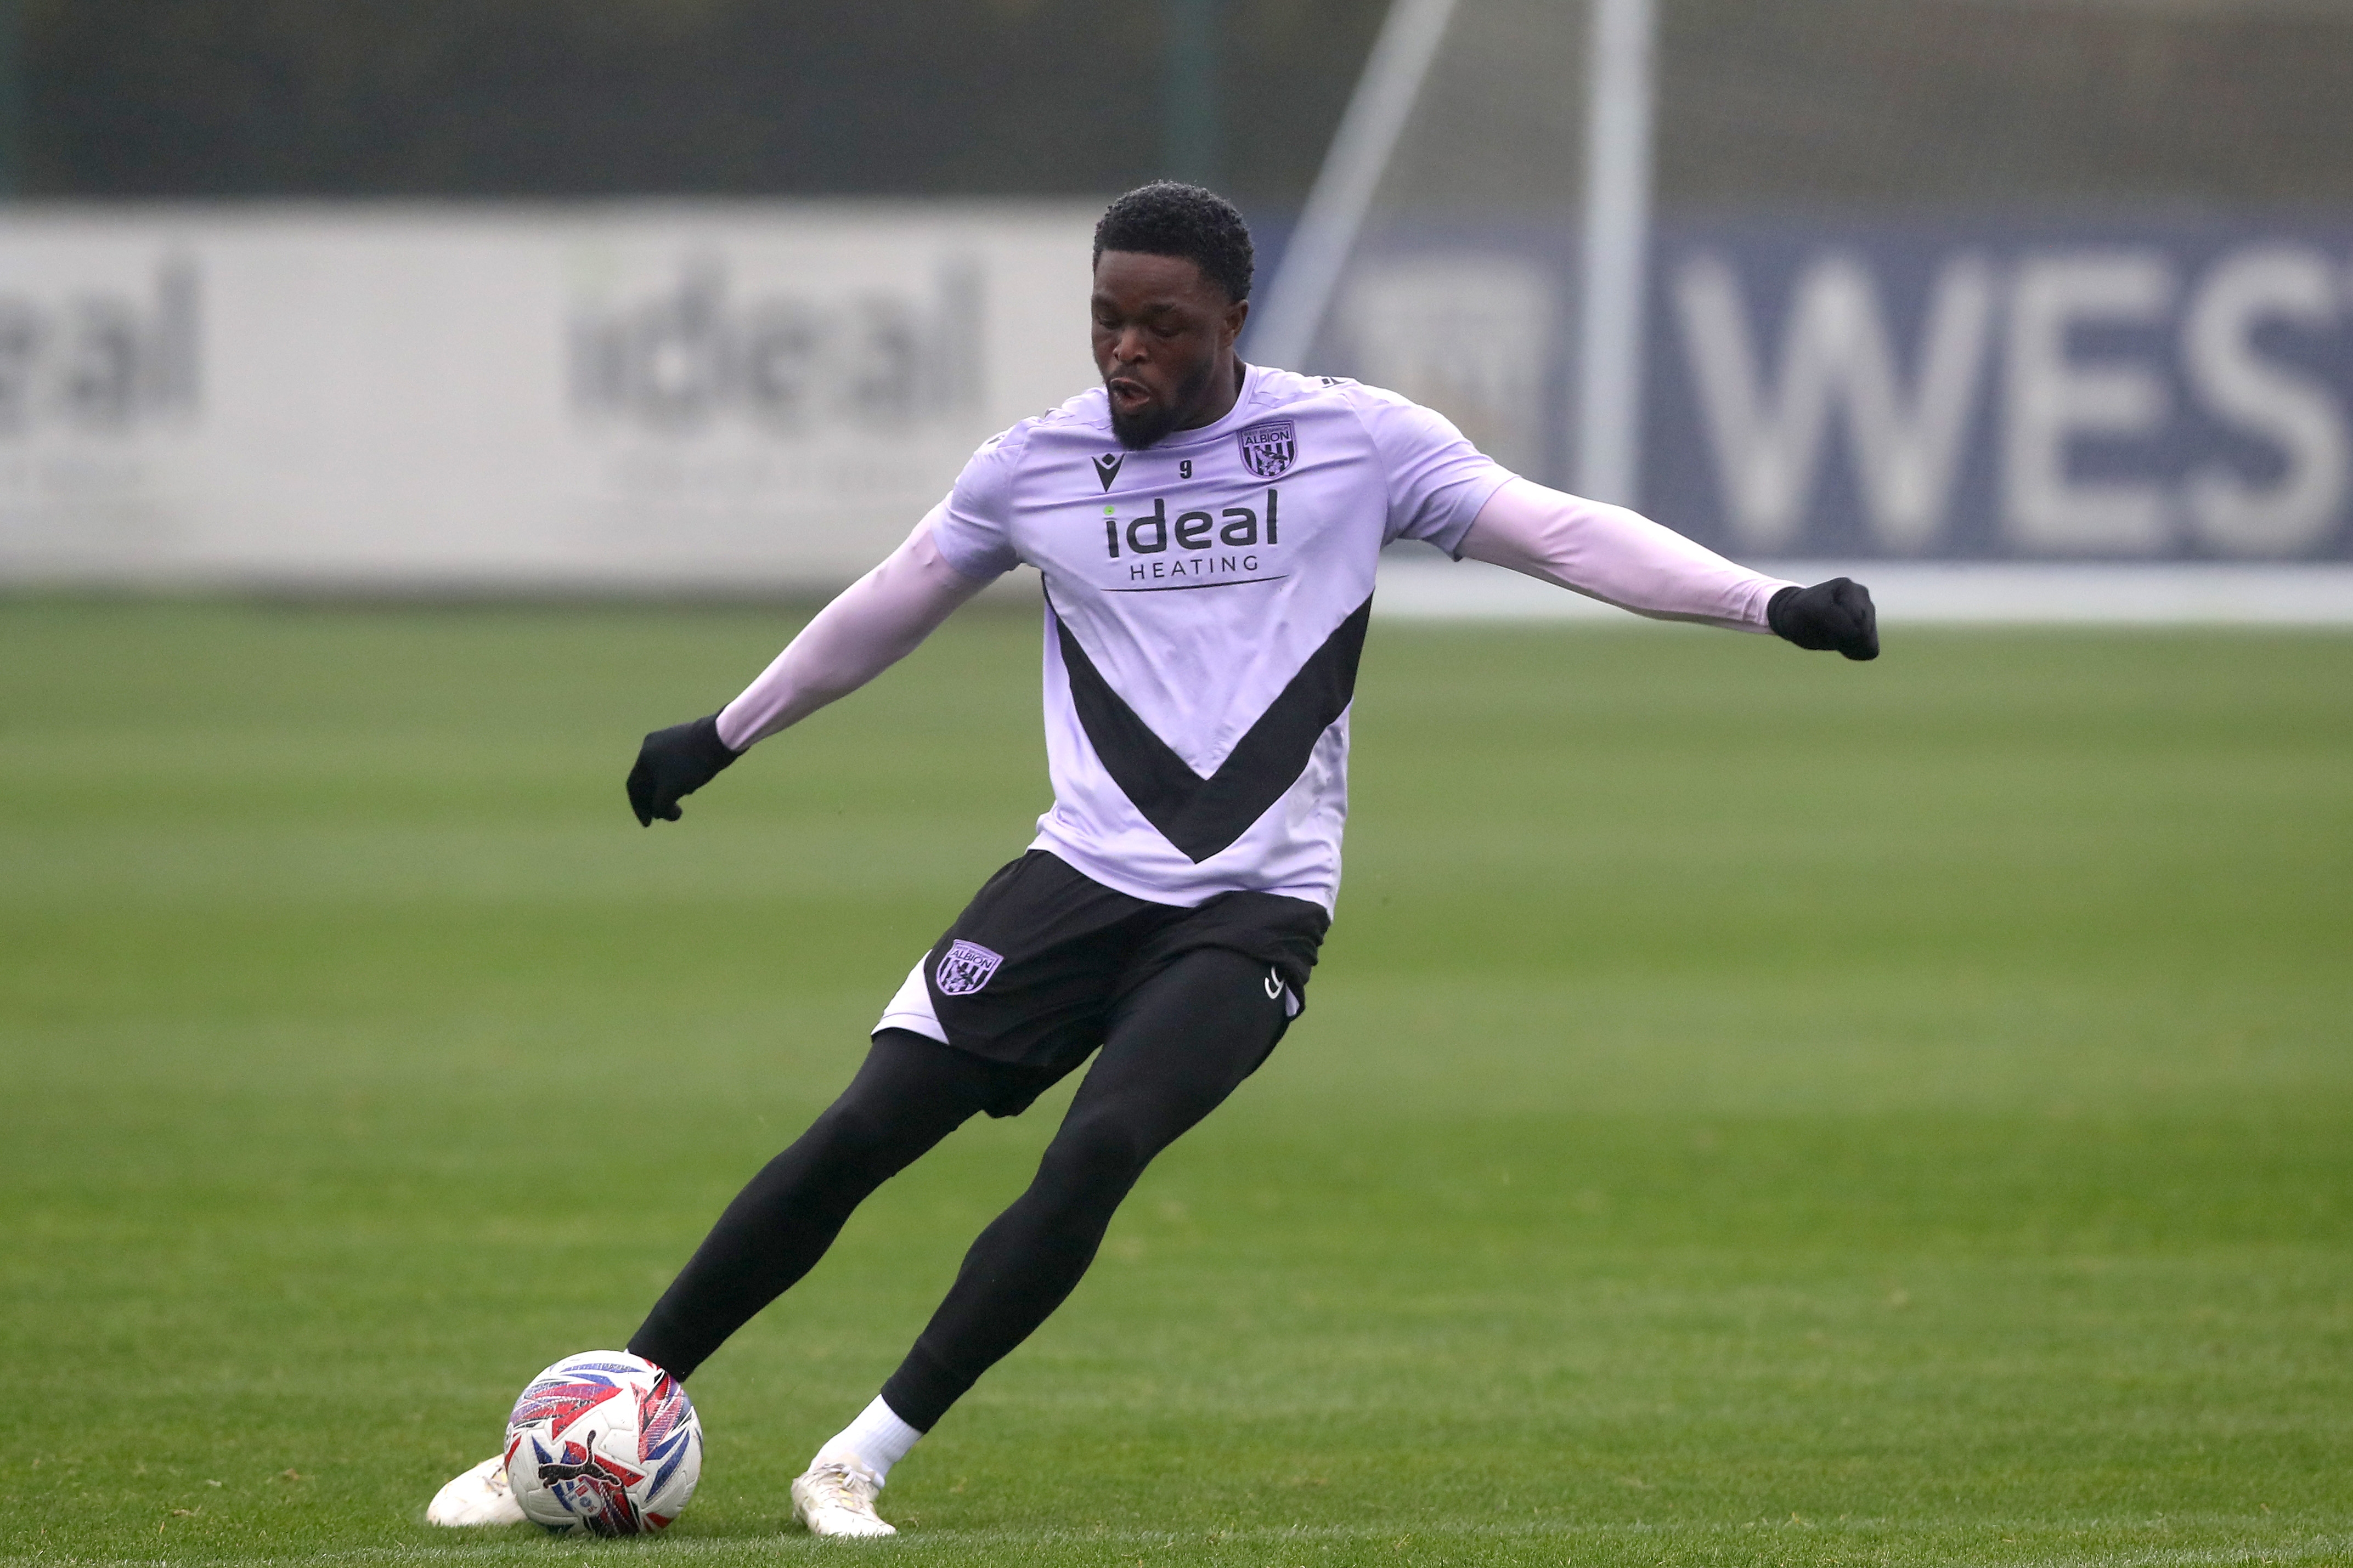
x=1201, y=815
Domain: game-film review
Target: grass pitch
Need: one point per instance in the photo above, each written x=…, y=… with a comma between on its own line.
x=1754, y=1109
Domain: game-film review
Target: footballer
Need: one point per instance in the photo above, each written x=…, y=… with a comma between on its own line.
x=1208, y=531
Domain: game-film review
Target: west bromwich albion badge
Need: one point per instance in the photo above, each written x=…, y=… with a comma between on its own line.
x=1268, y=449
x=965, y=968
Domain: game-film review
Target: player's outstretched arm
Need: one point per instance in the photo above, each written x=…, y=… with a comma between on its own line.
x=1622, y=558
x=874, y=624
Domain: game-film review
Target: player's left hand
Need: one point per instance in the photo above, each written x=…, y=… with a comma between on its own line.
x=673, y=762
x=1833, y=615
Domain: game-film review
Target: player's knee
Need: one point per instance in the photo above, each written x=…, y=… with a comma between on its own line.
x=853, y=1129
x=1095, y=1154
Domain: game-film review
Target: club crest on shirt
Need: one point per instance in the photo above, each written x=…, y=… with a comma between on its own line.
x=1268, y=449
x=965, y=968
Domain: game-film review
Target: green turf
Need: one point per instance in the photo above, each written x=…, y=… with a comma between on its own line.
x=1755, y=1109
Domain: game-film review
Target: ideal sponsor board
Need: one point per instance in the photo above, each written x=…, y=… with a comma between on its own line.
x=630, y=396
x=1979, y=389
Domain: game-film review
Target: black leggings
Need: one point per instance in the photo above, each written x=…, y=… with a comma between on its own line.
x=1179, y=1044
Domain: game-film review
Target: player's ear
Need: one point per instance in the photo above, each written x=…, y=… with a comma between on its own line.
x=1236, y=315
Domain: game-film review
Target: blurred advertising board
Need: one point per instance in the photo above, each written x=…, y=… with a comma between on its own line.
x=697, y=397
x=754, y=396
x=1979, y=390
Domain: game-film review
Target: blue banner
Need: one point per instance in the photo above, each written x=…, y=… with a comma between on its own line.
x=1986, y=390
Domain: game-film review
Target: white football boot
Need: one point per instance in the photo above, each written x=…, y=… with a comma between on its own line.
x=837, y=1498
x=481, y=1496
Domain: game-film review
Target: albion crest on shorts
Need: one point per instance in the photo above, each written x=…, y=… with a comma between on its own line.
x=965, y=968
x=1268, y=449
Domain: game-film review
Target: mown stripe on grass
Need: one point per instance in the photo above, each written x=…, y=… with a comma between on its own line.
x=1769, y=1540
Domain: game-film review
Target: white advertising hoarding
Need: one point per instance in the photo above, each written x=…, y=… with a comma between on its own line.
x=734, y=397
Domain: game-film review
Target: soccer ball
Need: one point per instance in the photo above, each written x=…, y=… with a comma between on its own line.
x=603, y=1443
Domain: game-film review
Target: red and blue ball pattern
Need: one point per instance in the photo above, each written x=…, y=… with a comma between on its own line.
x=603, y=1443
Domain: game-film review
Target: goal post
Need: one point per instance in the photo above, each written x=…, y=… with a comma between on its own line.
x=1441, y=250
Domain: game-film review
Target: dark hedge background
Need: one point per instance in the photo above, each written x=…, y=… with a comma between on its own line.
x=1839, y=101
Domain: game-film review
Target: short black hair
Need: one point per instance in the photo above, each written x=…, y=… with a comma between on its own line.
x=1170, y=218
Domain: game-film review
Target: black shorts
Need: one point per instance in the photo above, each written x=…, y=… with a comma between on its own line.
x=1032, y=970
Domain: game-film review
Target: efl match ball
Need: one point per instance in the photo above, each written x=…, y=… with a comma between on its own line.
x=603, y=1443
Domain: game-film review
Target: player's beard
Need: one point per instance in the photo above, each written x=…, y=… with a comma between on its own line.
x=1140, y=429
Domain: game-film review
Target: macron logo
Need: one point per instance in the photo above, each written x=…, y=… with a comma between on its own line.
x=1107, y=467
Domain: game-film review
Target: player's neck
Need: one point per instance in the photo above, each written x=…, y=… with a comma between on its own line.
x=1226, y=391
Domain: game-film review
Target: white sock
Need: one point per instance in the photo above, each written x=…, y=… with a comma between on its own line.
x=878, y=1440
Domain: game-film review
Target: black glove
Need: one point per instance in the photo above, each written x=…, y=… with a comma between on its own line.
x=1832, y=615
x=673, y=762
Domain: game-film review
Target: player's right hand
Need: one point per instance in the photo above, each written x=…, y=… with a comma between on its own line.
x=1833, y=615
x=673, y=762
